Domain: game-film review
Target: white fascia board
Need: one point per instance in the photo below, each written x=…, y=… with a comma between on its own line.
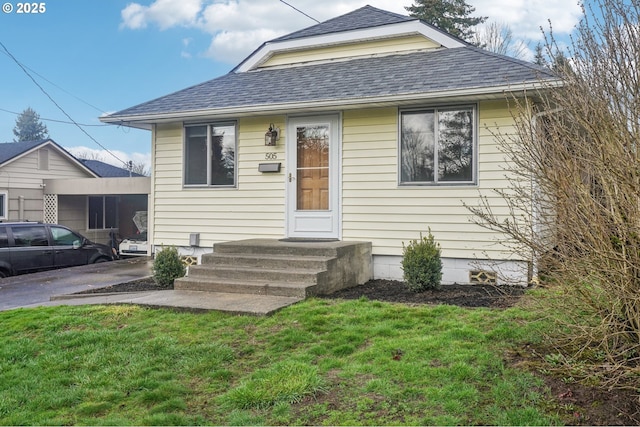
x=267, y=50
x=496, y=92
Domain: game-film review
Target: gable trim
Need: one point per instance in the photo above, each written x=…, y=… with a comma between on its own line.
x=269, y=49
x=51, y=143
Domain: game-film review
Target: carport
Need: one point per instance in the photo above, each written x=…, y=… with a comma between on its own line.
x=95, y=206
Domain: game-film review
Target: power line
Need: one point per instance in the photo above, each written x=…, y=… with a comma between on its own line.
x=58, y=86
x=298, y=10
x=54, y=120
x=57, y=105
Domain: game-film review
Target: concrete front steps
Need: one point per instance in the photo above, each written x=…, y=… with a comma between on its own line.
x=294, y=269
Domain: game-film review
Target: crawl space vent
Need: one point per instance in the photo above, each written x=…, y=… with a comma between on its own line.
x=482, y=277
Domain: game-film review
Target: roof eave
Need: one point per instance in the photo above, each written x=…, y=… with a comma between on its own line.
x=481, y=93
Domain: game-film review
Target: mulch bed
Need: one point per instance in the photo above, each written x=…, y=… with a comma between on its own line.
x=460, y=295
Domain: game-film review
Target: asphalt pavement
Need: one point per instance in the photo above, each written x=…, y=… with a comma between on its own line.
x=38, y=288
x=61, y=287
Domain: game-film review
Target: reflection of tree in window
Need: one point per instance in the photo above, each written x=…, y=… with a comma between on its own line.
x=455, y=145
x=417, y=147
x=451, y=131
x=223, y=155
x=196, y=155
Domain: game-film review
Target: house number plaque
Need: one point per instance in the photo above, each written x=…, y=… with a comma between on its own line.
x=271, y=156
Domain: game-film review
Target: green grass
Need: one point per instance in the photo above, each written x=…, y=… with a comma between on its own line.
x=320, y=362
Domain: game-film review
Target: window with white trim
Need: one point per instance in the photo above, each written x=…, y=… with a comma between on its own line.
x=437, y=146
x=4, y=205
x=103, y=212
x=210, y=155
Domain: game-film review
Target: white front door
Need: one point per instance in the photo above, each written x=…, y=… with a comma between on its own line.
x=313, y=177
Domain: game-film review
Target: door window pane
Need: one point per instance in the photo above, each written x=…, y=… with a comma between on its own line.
x=313, y=167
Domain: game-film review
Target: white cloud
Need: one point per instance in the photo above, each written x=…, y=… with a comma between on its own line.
x=164, y=13
x=237, y=27
x=526, y=17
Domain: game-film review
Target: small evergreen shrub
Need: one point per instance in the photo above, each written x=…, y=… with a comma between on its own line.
x=167, y=266
x=421, y=264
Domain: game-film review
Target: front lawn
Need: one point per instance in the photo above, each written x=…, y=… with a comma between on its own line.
x=320, y=362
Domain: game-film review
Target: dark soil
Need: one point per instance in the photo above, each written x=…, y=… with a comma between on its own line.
x=460, y=295
x=575, y=403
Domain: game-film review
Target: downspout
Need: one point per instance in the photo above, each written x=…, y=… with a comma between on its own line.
x=21, y=208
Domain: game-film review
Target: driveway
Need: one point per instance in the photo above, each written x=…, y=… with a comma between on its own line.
x=27, y=289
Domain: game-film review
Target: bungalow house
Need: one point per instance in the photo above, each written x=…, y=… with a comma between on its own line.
x=371, y=126
x=41, y=181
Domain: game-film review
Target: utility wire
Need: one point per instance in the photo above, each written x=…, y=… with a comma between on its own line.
x=298, y=10
x=54, y=120
x=59, y=87
x=57, y=105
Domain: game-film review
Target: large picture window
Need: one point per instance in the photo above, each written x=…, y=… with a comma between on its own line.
x=210, y=155
x=103, y=212
x=437, y=146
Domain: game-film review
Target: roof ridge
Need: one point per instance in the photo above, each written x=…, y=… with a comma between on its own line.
x=344, y=17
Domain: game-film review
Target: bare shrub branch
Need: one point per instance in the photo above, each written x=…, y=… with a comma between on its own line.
x=575, y=196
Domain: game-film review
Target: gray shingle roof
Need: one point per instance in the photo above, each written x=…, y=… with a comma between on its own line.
x=365, y=17
x=418, y=73
x=105, y=170
x=10, y=150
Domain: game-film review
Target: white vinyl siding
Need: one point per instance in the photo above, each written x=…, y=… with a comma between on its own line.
x=24, y=178
x=254, y=208
x=350, y=50
x=377, y=209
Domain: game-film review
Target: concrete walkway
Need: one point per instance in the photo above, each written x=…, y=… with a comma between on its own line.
x=60, y=287
x=258, y=305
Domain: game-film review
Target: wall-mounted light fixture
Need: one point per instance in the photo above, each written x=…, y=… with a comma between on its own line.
x=272, y=135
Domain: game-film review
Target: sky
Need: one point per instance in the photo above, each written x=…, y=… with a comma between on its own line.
x=94, y=57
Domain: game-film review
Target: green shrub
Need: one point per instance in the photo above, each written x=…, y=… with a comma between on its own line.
x=167, y=266
x=421, y=264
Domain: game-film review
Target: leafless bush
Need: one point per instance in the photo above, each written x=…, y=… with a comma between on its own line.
x=575, y=199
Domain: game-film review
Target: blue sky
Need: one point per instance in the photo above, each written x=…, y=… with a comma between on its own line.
x=100, y=56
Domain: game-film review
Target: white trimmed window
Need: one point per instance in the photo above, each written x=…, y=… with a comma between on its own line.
x=437, y=146
x=210, y=155
x=4, y=205
x=103, y=212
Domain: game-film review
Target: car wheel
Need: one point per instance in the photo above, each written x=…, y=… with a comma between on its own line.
x=100, y=260
x=3, y=274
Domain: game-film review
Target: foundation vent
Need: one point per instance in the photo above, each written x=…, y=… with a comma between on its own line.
x=482, y=277
x=189, y=260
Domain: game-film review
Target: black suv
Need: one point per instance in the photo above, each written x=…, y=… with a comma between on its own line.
x=26, y=247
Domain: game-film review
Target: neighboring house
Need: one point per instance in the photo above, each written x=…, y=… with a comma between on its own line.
x=385, y=131
x=41, y=181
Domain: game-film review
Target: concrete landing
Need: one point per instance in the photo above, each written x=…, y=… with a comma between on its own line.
x=258, y=305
